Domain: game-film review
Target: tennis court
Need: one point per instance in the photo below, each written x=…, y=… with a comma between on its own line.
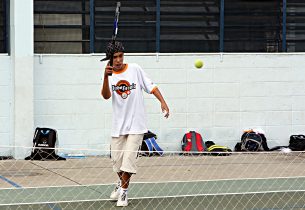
x=239, y=181
x=222, y=67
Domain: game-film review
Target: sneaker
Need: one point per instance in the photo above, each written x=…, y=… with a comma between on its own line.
x=122, y=201
x=116, y=192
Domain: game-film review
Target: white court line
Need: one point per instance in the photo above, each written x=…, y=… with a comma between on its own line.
x=162, y=182
x=156, y=197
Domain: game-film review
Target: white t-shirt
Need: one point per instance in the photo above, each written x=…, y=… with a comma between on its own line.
x=127, y=100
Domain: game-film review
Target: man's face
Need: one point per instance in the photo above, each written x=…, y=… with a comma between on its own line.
x=118, y=59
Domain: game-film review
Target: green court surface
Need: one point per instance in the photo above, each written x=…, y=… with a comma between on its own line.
x=255, y=194
x=264, y=181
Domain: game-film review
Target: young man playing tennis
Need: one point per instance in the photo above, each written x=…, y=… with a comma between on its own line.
x=129, y=121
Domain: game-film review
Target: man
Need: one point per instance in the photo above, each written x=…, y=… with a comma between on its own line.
x=129, y=121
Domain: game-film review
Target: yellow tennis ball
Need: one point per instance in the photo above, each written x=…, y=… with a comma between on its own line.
x=198, y=63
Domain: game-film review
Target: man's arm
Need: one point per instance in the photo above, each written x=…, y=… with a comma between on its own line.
x=105, y=92
x=164, y=106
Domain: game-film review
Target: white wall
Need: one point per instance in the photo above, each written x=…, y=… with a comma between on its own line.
x=230, y=93
x=5, y=102
x=66, y=97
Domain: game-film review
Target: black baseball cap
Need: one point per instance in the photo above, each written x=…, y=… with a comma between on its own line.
x=113, y=47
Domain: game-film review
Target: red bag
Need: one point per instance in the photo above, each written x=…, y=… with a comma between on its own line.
x=192, y=143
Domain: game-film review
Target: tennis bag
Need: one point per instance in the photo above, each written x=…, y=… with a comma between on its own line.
x=217, y=150
x=297, y=142
x=192, y=143
x=253, y=141
x=44, y=145
x=150, y=146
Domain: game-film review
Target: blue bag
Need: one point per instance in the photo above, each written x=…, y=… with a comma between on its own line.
x=150, y=146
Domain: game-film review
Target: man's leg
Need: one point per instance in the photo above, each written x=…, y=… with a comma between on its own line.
x=125, y=179
x=120, y=175
x=129, y=167
x=117, y=151
x=130, y=155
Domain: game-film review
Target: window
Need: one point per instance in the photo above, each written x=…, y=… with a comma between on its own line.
x=252, y=26
x=137, y=25
x=3, y=26
x=61, y=26
x=85, y=26
x=295, y=26
x=189, y=26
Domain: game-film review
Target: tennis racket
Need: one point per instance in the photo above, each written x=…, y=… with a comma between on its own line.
x=115, y=28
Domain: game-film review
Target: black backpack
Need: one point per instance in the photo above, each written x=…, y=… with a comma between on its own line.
x=297, y=143
x=44, y=145
x=252, y=141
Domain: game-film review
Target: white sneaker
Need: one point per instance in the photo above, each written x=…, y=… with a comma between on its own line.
x=123, y=200
x=116, y=192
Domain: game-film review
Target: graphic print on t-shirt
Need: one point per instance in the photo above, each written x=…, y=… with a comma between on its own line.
x=123, y=88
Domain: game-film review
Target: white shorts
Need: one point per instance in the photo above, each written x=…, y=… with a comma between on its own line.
x=124, y=152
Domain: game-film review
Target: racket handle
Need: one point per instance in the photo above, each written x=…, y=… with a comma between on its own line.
x=111, y=64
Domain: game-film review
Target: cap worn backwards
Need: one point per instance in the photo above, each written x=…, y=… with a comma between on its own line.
x=113, y=48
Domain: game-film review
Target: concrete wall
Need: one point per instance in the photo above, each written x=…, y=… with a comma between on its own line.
x=21, y=39
x=5, y=102
x=232, y=92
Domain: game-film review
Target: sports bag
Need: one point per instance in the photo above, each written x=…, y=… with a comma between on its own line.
x=253, y=141
x=297, y=142
x=44, y=145
x=217, y=150
x=150, y=146
x=192, y=143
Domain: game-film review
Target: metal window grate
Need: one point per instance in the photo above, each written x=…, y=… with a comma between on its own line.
x=137, y=25
x=61, y=26
x=295, y=26
x=189, y=26
x=3, y=27
x=252, y=26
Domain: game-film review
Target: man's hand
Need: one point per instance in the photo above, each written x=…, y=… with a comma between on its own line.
x=164, y=106
x=105, y=92
x=165, y=109
x=108, y=70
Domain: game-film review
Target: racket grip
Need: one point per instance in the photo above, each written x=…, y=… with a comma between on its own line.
x=111, y=64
